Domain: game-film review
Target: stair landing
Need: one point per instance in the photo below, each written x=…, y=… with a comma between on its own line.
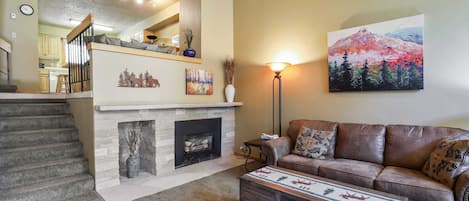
x=39, y=96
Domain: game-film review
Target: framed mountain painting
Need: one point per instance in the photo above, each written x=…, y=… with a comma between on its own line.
x=381, y=56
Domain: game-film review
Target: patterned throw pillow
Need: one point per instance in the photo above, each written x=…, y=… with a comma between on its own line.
x=449, y=159
x=313, y=143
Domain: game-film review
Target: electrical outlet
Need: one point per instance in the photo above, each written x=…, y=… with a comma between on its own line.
x=13, y=35
x=13, y=16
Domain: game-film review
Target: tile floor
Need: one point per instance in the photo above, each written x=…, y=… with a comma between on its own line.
x=147, y=184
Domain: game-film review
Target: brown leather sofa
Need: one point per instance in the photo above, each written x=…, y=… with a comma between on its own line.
x=386, y=158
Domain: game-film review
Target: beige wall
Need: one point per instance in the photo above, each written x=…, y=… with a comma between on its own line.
x=190, y=18
x=217, y=36
x=82, y=110
x=296, y=31
x=139, y=27
x=167, y=33
x=24, y=62
x=54, y=30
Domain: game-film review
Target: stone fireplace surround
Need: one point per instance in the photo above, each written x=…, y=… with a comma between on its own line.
x=106, y=134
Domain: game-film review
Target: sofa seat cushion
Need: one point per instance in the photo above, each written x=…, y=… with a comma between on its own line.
x=302, y=164
x=412, y=184
x=351, y=171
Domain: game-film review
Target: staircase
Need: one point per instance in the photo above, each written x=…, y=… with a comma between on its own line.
x=41, y=158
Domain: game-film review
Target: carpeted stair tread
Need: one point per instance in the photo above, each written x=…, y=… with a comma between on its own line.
x=9, y=150
x=7, y=88
x=33, y=117
x=55, y=189
x=23, y=138
x=31, y=109
x=41, y=171
x=33, y=100
x=37, y=131
x=19, y=123
x=91, y=196
x=40, y=164
x=24, y=155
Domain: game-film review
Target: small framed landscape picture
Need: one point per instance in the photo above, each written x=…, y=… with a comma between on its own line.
x=199, y=82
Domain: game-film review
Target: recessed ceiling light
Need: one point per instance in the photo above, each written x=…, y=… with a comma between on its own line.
x=139, y=1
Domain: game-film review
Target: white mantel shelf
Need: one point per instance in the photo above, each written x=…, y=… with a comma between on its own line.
x=106, y=108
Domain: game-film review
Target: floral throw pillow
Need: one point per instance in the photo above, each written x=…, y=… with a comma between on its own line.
x=313, y=143
x=449, y=159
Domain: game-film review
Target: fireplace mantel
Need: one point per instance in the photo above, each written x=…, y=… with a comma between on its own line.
x=105, y=108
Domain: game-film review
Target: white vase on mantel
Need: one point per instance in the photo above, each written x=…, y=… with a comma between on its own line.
x=229, y=93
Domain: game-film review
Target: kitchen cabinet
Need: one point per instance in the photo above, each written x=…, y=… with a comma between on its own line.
x=44, y=81
x=50, y=47
x=48, y=79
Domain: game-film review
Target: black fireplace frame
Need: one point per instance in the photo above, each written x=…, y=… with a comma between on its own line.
x=194, y=127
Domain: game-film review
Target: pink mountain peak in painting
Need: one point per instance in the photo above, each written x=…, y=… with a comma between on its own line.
x=365, y=45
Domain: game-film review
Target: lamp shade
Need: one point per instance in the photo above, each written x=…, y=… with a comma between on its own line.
x=278, y=66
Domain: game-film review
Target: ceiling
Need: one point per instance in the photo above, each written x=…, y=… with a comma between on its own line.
x=118, y=14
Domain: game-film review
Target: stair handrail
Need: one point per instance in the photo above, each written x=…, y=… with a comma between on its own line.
x=79, y=29
x=79, y=75
x=6, y=47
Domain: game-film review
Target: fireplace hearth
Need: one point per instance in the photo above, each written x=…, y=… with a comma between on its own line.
x=197, y=141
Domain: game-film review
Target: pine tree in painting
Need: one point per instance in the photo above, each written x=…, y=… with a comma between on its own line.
x=346, y=74
x=333, y=75
x=386, y=77
x=357, y=80
x=364, y=75
x=399, y=76
x=415, y=79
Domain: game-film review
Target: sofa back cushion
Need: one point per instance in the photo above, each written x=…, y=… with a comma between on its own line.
x=362, y=142
x=296, y=125
x=410, y=146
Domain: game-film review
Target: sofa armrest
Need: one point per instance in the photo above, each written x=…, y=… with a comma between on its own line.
x=275, y=149
x=461, y=189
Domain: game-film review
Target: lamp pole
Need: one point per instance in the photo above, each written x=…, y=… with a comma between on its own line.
x=279, y=78
x=277, y=67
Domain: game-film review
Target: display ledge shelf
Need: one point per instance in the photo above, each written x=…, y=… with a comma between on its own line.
x=105, y=108
x=145, y=53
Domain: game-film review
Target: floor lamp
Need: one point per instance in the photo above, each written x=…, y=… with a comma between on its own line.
x=277, y=68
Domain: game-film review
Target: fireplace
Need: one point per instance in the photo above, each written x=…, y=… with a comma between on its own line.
x=197, y=141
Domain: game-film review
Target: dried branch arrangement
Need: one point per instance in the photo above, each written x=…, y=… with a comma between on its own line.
x=189, y=36
x=229, y=66
x=133, y=140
